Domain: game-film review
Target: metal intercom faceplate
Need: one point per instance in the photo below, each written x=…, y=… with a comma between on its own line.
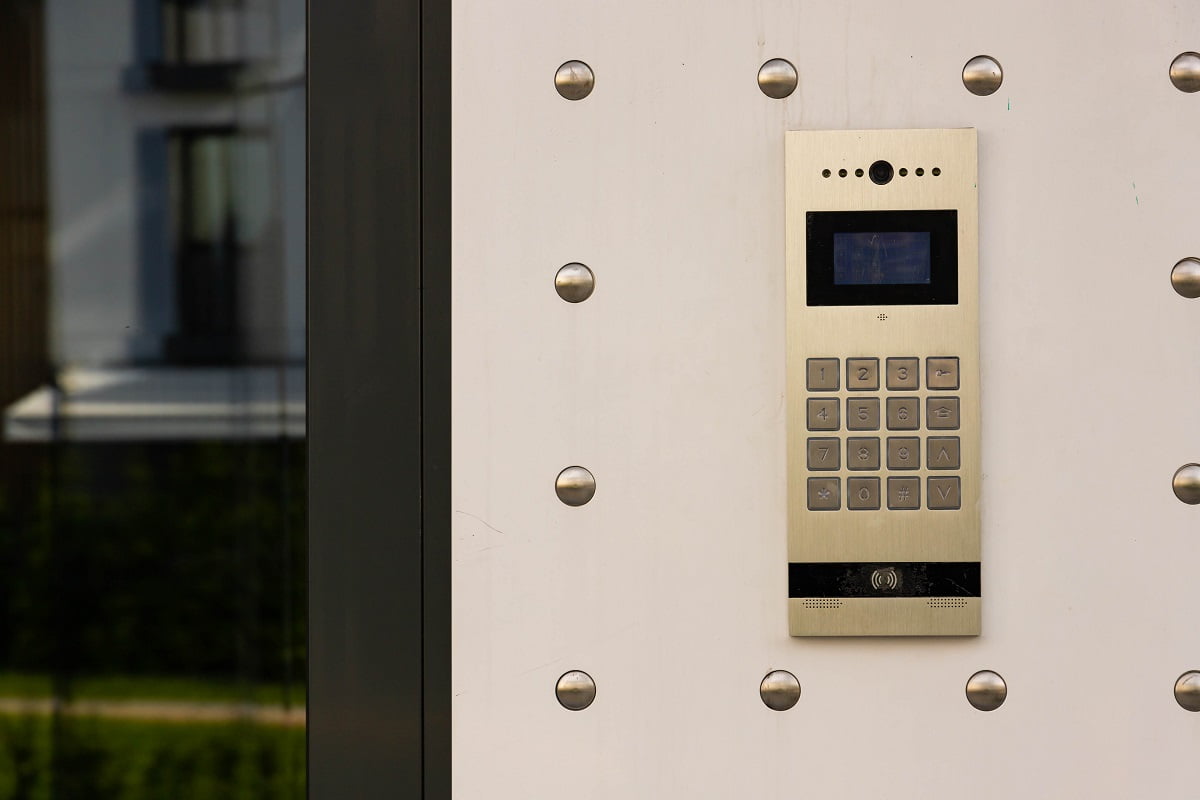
x=883, y=383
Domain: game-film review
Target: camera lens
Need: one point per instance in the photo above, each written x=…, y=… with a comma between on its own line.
x=881, y=172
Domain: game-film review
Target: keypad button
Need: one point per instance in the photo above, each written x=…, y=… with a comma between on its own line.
x=941, y=372
x=824, y=453
x=904, y=494
x=903, y=413
x=944, y=493
x=903, y=452
x=943, y=452
x=862, y=453
x=862, y=374
x=903, y=374
x=822, y=374
x=862, y=494
x=862, y=414
x=823, y=413
x=824, y=494
x=941, y=413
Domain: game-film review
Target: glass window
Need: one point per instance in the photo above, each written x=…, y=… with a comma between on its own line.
x=152, y=372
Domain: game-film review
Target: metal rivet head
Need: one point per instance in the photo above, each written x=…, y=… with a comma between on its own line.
x=1186, y=483
x=575, y=690
x=574, y=80
x=777, y=78
x=1187, y=690
x=574, y=282
x=1185, y=72
x=1185, y=277
x=779, y=690
x=982, y=75
x=575, y=486
x=986, y=690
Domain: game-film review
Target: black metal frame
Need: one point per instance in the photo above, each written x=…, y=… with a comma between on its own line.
x=379, y=399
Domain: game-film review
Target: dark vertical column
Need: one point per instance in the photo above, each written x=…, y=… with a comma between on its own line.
x=435, y=370
x=372, y=381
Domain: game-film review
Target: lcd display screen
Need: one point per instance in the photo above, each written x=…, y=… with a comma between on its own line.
x=873, y=258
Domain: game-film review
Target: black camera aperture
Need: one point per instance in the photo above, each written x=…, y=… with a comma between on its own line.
x=880, y=172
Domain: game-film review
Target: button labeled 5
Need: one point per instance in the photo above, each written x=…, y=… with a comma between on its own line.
x=862, y=414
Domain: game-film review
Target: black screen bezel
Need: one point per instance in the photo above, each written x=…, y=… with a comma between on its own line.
x=942, y=288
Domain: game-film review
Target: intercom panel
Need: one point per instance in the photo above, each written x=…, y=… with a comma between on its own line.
x=883, y=383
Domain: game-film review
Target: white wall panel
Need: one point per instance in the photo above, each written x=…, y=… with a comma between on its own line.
x=669, y=588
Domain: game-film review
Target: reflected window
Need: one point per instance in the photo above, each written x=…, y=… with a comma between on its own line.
x=220, y=201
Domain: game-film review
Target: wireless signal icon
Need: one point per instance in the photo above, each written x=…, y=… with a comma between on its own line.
x=884, y=579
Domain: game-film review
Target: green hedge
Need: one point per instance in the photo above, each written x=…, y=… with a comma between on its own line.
x=101, y=759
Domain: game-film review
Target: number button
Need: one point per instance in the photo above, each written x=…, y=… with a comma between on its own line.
x=862, y=374
x=903, y=413
x=862, y=414
x=903, y=374
x=824, y=453
x=824, y=494
x=862, y=453
x=944, y=493
x=943, y=452
x=822, y=413
x=941, y=372
x=903, y=452
x=941, y=413
x=904, y=494
x=822, y=374
x=862, y=494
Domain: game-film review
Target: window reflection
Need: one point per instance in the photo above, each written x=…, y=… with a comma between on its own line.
x=152, y=357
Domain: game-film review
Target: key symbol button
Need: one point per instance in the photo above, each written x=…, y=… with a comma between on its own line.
x=941, y=372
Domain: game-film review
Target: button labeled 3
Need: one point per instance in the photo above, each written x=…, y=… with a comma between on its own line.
x=903, y=374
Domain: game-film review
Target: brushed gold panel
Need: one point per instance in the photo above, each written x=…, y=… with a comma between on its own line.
x=846, y=332
x=894, y=616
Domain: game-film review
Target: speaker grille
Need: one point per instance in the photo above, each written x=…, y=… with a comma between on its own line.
x=947, y=602
x=822, y=602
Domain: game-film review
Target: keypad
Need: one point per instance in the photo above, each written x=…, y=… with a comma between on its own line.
x=899, y=397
